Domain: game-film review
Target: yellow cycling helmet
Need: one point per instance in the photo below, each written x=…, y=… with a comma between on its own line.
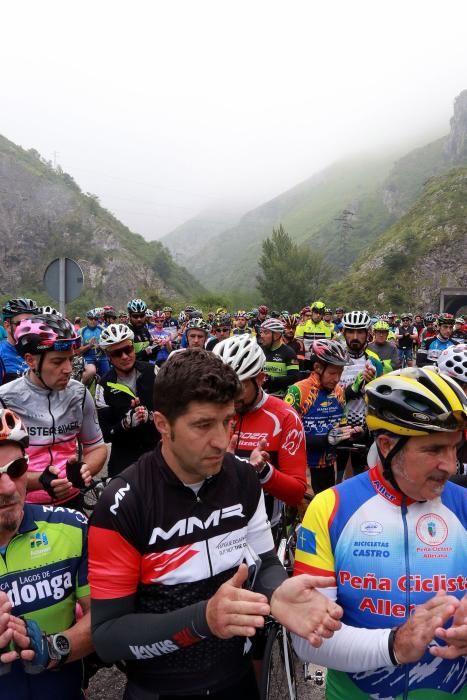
x=415, y=401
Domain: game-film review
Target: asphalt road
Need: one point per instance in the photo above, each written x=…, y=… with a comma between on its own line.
x=109, y=683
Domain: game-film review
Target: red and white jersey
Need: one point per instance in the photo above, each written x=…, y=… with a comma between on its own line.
x=273, y=420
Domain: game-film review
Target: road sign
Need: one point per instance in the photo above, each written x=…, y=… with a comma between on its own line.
x=64, y=281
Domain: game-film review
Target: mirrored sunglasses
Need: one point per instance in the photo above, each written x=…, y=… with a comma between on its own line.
x=16, y=468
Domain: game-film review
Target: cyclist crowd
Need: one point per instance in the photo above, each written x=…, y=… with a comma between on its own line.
x=212, y=425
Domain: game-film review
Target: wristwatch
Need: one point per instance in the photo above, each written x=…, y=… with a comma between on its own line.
x=59, y=648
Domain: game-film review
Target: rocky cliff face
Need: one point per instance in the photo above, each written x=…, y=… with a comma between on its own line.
x=44, y=214
x=423, y=252
x=455, y=148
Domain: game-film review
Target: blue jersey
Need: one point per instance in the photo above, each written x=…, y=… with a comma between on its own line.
x=388, y=554
x=320, y=411
x=86, y=335
x=436, y=347
x=12, y=365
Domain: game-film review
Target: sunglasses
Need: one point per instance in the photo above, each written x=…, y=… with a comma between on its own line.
x=16, y=468
x=126, y=350
x=221, y=330
x=138, y=315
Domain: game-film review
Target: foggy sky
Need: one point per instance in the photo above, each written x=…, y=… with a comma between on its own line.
x=164, y=108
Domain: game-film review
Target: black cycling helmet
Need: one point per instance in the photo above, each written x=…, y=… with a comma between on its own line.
x=21, y=305
x=329, y=352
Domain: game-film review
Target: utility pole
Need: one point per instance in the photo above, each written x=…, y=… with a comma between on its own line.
x=345, y=218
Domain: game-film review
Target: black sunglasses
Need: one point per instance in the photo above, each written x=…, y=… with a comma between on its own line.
x=126, y=350
x=16, y=468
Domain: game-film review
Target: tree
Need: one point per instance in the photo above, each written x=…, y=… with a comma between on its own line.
x=291, y=275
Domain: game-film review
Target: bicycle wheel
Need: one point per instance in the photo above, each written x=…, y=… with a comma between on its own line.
x=278, y=673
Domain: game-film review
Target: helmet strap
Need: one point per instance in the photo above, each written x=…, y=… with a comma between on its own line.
x=386, y=461
x=38, y=371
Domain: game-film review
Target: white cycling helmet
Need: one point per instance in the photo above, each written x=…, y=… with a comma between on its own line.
x=243, y=354
x=48, y=310
x=273, y=325
x=453, y=362
x=115, y=333
x=356, y=320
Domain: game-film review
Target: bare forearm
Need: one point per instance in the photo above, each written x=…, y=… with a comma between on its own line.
x=95, y=459
x=80, y=638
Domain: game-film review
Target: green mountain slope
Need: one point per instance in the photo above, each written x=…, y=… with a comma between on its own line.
x=187, y=240
x=308, y=212
x=377, y=190
x=44, y=214
x=421, y=253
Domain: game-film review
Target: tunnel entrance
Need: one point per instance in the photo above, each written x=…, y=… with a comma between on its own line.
x=453, y=300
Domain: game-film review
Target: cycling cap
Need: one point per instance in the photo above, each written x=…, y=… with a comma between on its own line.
x=273, y=325
x=331, y=352
x=453, y=361
x=415, y=401
x=44, y=333
x=115, y=333
x=243, y=354
x=137, y=306
x=318, y=305
x=263, y=309
x=446, y=319
x=12, y=428
x=381, y=326
x=22, y=305
x=356, y=320
x=197, y=324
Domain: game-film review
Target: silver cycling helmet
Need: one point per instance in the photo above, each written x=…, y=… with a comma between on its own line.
x=243, y=354
x=273, y=325
x=356, y=320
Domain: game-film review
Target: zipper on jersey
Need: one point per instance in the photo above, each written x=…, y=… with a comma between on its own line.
x=198, y=499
